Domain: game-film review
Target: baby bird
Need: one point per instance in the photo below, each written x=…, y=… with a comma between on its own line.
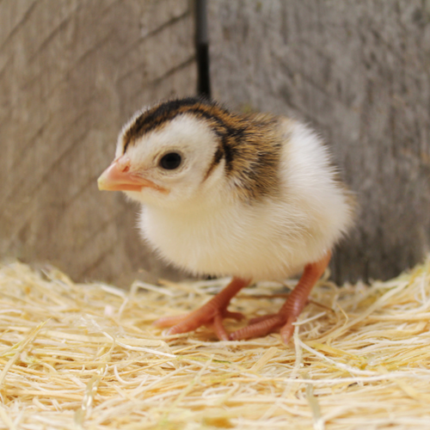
x=250, y=196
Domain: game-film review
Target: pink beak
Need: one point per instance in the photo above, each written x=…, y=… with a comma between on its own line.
x=117, y=177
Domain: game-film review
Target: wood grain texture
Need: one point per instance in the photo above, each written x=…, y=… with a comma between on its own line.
x=359, y=72
x=71, y=73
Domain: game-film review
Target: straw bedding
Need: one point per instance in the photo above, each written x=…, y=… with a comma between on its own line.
x=86, y=356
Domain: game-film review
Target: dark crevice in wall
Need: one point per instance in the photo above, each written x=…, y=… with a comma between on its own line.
x=202, y=49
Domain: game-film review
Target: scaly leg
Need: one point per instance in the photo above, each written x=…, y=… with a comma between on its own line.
x=291, y=309
x=210, y=314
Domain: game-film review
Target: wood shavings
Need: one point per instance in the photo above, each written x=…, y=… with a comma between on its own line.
x=86, y=356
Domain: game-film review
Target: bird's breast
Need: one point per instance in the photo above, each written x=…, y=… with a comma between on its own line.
x=241, y=241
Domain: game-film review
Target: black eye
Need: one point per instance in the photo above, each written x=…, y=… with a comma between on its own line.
x=170, y=161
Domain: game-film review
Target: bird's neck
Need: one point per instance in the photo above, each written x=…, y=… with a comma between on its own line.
x=194, y=208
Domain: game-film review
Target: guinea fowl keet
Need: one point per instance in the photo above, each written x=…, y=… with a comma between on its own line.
x=252, y=196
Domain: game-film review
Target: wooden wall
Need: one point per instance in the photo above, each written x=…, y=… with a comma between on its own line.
x=71, y=73
x=359, y=72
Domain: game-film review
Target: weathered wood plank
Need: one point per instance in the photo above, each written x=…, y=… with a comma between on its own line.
x=71, y=72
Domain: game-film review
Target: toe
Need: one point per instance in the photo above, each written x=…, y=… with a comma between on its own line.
x=261, y=328
x=287, y=330
x=219, y=329
x=170, y=321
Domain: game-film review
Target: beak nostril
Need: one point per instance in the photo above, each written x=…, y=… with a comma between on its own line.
x=123, y=164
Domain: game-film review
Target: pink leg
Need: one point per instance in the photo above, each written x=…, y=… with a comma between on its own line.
x=291, y=309
x=211, y=313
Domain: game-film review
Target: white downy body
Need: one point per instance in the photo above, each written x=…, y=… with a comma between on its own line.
x=201, y=226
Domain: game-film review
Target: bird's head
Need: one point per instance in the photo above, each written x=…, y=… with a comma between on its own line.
x=192, y=152
x=168, y=155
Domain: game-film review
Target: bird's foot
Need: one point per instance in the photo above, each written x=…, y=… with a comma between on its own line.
x=211, y=314
x=290, y=311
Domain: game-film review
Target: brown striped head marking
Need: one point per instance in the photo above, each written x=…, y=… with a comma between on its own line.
x=155, y=118
x=249, y=144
